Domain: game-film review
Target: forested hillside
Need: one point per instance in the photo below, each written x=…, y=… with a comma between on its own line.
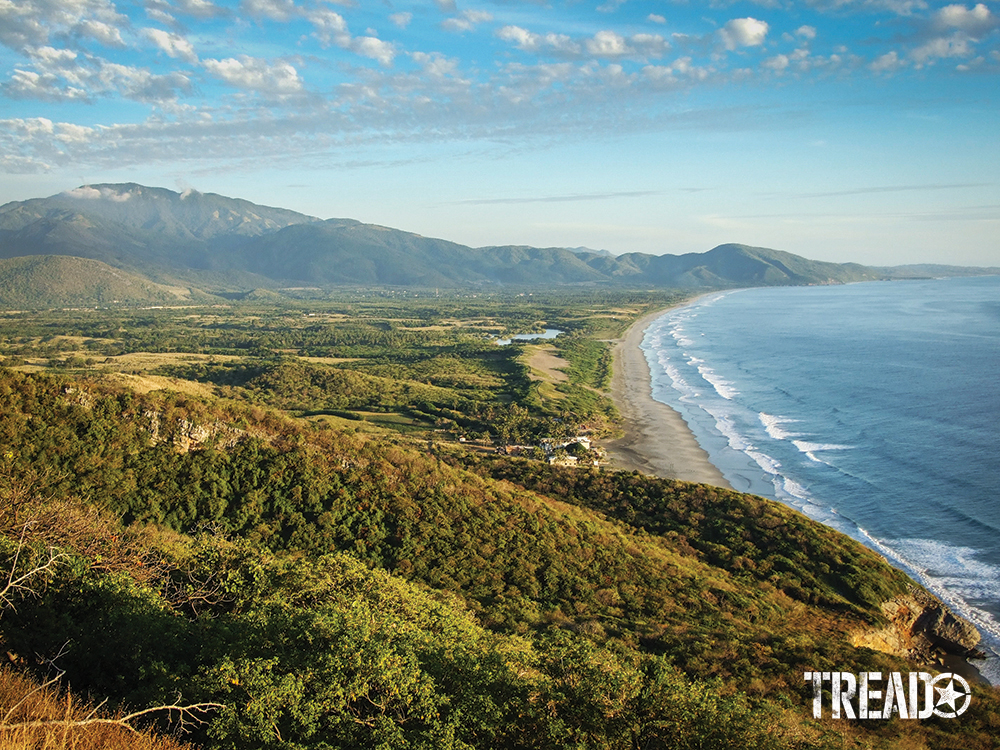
x=293, y=525
x=332, y=589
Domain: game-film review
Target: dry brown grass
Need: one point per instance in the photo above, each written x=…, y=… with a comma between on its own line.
x=35, y=717
x=147, y=383
x=329, y=360
x=152, y=360
x=545, y=364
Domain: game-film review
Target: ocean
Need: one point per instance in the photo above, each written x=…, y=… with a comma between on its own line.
x=873, y=408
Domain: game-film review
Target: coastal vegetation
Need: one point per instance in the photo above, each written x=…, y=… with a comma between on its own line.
x=292, y=517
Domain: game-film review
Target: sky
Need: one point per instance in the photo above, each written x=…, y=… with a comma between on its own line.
x=841, y=130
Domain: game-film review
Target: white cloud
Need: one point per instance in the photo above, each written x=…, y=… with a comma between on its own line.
x=67, y=132
x=564, y=80
x=331, y=28
x=17, y=164
x=679, y=72
x=899, y=7
x=376, y=49
x=26, y=23
x=957, y=45
x=66, y=75
x=28, y=84
x=50, y=57
x=887, y=63
x=561, y=44
x=952, y=31
x=467, y=20
x=256, y=74
x=173, y=45
x=684, y=67
x=160, y=16
x=198, y=8
x=604, y=44
x=976, y=22
x=276, y=10
x=104, y=33
x=652, y=45
x=84, y=192
x=607, y=44
x=136, y=83
x=402, y=20
x=164, y=11
x=446, y=6
x=776, y=63
x=743, y=32
x=30, y=127
x=523, y=38
x=88, y=192
x=435, y=65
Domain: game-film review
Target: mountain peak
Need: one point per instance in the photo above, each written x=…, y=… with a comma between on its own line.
x=209, y=239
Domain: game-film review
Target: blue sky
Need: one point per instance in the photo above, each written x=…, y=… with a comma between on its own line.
x=845, y=130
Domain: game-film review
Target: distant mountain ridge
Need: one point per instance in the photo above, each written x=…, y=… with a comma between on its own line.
x=209, y=241
x=936, y=270
x=187, y=215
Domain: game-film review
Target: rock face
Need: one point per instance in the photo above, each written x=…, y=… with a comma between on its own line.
x=920, y=628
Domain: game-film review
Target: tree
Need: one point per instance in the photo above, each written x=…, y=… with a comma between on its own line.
x=29, y=566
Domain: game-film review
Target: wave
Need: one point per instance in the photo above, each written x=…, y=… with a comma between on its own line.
x=722, y=386
x=680, y=338
x=766, y=432
x=958, y=578
x=811, y=449
x=773, y=426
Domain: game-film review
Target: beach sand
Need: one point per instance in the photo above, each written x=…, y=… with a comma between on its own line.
x=657, y=440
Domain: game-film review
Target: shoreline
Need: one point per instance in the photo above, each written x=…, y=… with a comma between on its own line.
x=657, y=440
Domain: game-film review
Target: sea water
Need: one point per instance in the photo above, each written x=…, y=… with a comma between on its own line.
x=873, y=408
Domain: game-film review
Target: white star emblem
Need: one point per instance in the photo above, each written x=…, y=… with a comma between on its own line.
x=949, y=696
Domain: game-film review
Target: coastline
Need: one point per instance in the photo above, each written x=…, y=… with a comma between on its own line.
x=657, y=440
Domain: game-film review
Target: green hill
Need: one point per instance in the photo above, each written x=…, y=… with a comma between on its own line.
x=332, y=589
x=59, y=280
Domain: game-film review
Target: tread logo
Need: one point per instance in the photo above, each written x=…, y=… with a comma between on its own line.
x=862, y=696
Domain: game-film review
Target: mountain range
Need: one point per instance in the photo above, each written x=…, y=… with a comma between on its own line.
x=207, y=242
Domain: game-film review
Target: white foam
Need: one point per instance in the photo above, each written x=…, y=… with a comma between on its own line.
x=725, y=425
x=722, y=387
x=956, y=577
x=678, y=335
x=677, y=380
x=773, y=426
x=811, y=449
x=795, y=489
x=769, y=464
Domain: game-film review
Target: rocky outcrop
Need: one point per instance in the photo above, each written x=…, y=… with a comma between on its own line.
x=920, y=628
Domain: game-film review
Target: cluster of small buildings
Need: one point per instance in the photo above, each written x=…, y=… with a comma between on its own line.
x=559, y=452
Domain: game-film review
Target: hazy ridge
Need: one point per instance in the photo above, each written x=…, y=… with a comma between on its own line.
x=218, y=244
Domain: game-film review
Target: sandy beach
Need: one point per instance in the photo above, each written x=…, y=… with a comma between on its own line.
x=657, y=440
